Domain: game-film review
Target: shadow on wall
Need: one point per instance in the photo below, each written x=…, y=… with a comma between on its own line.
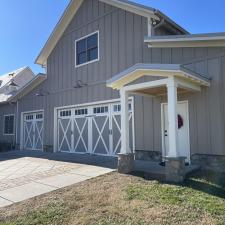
x=6, y=146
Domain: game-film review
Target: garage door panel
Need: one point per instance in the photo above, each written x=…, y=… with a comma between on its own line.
x=38, y=132
x=64, y=135
x=100, y=135
x=28, y=139
x=81, y=135
x=116, y=129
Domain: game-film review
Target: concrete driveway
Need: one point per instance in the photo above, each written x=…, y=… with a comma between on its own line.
x=26, y=174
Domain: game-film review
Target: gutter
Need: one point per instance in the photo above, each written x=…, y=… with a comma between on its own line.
x=166, y=20
x=17, y=120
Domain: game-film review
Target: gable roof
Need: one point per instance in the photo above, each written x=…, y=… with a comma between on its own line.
x=33, y=83
x=74, y=5
x=6, y=78
x=156, y=70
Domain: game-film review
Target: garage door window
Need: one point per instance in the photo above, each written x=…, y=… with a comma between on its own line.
x=103, y=109
x=65, y=113
x=9, y=125
x=80, y=112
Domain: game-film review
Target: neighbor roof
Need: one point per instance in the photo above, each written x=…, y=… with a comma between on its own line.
x=6, y=78
x=74, y=6
x=36, y=81
x=190, y=40
x=17, y=78
x=165, y=70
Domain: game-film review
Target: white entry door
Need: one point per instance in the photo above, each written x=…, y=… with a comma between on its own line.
x=183, y=130
x=92, y=129
x=33, y=131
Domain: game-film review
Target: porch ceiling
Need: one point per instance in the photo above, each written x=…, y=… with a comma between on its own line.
x=156, y=70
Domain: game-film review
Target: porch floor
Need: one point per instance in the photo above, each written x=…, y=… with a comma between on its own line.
x=152, y=170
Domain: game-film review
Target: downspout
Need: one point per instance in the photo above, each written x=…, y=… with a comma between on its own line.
x=17, y=120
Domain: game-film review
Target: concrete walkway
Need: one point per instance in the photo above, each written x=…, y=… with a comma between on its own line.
x=26, y=174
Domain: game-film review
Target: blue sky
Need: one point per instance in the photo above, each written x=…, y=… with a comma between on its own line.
x=27, y=24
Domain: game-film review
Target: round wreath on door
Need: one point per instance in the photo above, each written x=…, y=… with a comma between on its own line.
x=180, y=121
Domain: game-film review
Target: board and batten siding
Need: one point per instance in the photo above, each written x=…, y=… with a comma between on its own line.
x=121, y=46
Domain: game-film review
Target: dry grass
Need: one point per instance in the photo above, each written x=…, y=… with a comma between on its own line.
x=122, y=199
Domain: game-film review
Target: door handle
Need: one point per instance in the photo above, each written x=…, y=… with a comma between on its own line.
x=165, y=133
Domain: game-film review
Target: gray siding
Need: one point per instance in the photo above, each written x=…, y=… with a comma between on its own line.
x=121, y=46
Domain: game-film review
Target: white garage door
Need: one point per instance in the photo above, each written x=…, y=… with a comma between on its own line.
x=92, y=129
x=33, y=131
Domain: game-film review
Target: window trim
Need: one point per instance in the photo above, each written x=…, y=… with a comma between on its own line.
x=92, y=61
x=13, y=133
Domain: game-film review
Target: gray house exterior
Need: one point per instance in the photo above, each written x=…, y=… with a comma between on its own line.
x=77, y=108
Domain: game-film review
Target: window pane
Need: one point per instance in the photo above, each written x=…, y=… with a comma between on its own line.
x=81, y=46
x=81, y=58
x=92, y=54
x=9, y=125
x=92, y=41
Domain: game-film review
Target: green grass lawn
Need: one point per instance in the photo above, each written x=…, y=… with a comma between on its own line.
x=125, y=199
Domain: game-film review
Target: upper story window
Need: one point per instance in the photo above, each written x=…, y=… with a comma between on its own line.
x=87, y=49
x=9, y=124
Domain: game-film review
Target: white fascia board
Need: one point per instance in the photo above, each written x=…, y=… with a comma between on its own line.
x=150, y=84
x=132, y=8
x=177, y=39
x=128, y=78
x=35, y=82
x=216, y=41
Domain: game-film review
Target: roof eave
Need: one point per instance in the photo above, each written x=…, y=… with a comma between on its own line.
x=175, y=42
x=37, y=80
x=179, y=71
x=177, y=26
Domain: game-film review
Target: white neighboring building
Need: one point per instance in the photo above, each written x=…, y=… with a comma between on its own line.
x=12, y=82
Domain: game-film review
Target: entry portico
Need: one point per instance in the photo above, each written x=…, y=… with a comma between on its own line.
x=165, y=79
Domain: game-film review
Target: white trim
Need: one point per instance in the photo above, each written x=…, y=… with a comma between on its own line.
x=88, y=104
x=22, y=126
x=84, y=37
x=133, y=124
x=186, y=42
x=5, y=134
x=188, y=39
x=149, y=27
x=125, y=137
x=132, y=8
x=163, y=128
x=188, y=85
x=144, y=85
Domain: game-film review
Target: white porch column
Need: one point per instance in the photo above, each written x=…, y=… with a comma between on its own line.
x=125, y=144
x=172, y=118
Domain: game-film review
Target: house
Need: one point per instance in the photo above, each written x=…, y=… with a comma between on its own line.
x=10, y=84
x=124, y=78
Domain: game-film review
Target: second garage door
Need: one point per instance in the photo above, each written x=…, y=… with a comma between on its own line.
x=92, y=129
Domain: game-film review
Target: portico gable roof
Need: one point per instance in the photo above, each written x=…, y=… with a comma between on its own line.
x=157, y=70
